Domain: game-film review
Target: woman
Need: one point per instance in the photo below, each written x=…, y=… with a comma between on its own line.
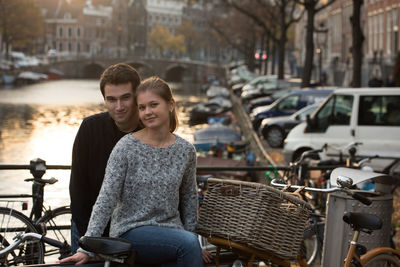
x=149, y=189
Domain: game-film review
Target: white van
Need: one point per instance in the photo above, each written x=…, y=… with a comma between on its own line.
x=367, y=115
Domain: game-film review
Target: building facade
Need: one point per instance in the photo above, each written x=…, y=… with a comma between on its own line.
x=64, y=31
x=382, y=33
x=380, y=25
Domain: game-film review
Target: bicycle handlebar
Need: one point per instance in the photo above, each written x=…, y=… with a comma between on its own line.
x=356, y=195
x=361, y=198
x=53, y=242
x=26, y=236
x=308, y=153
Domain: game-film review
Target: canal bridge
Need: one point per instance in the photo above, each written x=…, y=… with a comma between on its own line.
x=173, y=70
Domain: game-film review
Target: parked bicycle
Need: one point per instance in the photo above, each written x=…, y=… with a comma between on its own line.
x=54, y=222
x=32, y=239
x=357, y=254
x=252, y=255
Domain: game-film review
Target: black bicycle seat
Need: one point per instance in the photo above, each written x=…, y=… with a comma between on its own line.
x=361, y=221
x=115, y=247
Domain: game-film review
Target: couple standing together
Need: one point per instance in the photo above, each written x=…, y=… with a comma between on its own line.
x=149, y=189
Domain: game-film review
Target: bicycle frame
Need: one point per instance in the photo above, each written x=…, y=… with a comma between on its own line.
x=351, y=254
x=376, y=251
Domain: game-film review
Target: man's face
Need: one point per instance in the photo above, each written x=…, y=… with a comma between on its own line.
x=120, y=103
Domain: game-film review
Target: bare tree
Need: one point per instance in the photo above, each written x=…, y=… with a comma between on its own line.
x=237, y=31
x=271, y=14
x=20, y=23
x=312, y=7
x=358, y=39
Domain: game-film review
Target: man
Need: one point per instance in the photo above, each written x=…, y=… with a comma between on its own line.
x=95, y=140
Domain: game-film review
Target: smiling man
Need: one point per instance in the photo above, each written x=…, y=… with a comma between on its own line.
x=95, y=140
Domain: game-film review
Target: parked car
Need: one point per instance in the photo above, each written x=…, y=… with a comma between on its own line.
x=266, y=100
x=275, y=130
x=288, y=104
x=253, y=84
x=266, y=89
x=365, y=115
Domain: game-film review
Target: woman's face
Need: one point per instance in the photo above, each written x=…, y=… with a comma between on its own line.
x=154, y=111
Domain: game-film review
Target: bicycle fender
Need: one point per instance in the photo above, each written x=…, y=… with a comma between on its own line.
x=376, y=251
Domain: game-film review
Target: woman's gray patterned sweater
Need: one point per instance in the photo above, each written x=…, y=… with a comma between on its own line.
x=146, y=185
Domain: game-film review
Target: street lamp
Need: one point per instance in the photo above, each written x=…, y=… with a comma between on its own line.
x=319, y=53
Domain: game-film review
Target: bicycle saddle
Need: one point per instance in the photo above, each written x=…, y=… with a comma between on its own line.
x=361, y=221
x=116, y=247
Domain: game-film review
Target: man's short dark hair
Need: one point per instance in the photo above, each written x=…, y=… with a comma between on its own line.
x=119, y=73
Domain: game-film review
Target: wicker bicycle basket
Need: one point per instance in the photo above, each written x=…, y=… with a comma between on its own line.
x=255, y=215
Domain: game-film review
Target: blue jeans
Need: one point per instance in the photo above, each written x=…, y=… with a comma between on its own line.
x=74, y=237
x=165, y=246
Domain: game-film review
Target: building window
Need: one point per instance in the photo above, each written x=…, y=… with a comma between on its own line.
x=69, y=47
x=78, y=32
x=69, y=32
x=375, y=20
x=337, y=27
x=60, y=47
x=396, y=29
x=60, y=32
x=78, y=47
x=380, y=32
x=370, y=35
x=388, y=31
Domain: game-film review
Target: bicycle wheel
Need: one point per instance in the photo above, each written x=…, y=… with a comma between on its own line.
x=311, y=246
x=383, y=260
x=13, y=223
x=58, y=226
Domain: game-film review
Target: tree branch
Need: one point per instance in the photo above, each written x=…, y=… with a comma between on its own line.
x=324, y=6
x=226, y=38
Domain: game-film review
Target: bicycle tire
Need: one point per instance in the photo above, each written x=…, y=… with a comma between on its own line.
x=383, y=260
x=311, y=247
x=58, y=226
x=29, y=252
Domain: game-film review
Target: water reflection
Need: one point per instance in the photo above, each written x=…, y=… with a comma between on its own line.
x=41, y=121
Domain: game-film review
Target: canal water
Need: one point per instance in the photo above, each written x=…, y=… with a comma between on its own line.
x=41, y=121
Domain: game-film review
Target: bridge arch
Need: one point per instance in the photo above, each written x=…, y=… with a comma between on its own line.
x=145, y=70
x=175, y=72
x=92, y=70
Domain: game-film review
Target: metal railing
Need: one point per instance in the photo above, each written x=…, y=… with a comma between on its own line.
x=38, y=167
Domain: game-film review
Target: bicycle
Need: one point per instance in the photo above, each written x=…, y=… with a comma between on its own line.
x=54, y=222
x=253, y=255
x=357, y=254
x=32, y=238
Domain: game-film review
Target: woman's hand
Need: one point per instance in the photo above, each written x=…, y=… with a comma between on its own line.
x=78, y=258
x=207, y=257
